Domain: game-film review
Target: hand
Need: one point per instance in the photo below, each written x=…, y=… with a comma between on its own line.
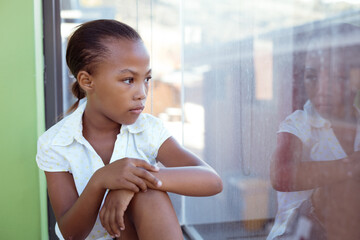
x=112, y=212
x=151, y=185
x=127, y=173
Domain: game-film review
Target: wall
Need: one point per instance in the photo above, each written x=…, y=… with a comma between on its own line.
x=21, y=119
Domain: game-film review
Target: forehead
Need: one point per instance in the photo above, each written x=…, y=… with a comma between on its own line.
x=325, y=51
x=123, y=50
x=332, y=58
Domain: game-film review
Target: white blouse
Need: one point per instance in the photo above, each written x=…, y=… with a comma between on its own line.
x=62, y=148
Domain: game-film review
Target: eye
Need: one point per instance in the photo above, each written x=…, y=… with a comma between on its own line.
x=311, y=78
x=128, y=80
x=147, y=80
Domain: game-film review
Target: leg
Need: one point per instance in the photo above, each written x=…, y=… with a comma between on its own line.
x=338, y=206
x=130, y=232
x=343, y=215
x=154, y=217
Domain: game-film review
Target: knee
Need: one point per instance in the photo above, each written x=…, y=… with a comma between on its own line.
x=147, y=204
x=153, y=216
x=151, y=195
x=151, y=198
x=345, y=193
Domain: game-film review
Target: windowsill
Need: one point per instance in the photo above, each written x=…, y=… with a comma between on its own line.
x=255, y=230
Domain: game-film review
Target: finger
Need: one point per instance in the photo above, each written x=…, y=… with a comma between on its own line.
x=145, y=165
x=147, y=176
x=102, y=214
x=105, y=222
x=120, y=219
x=113, y=224
x=128, y=185
x=138, y=182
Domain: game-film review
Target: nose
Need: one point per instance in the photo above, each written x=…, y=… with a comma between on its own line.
x=324, y=84
x=141, y=92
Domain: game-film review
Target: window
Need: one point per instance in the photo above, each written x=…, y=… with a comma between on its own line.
x=225, y=74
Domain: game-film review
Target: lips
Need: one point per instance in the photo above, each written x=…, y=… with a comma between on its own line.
x=323, y=105
x=137, y=109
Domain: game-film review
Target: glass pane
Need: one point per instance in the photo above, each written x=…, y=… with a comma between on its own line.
x=224, y=67
x=226, y=75
x=243, y=74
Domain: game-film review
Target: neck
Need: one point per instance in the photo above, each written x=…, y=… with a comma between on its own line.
x=98, y=124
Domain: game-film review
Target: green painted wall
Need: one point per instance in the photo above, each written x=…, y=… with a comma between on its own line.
x=21, y=119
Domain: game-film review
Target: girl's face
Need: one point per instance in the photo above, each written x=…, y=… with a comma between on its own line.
x=325, y=81
x=121, y=82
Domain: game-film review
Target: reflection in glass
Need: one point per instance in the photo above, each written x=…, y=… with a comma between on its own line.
x=315, y=166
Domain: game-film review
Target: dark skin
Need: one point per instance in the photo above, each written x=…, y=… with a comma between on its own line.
x=102, y=142
x=115, y=94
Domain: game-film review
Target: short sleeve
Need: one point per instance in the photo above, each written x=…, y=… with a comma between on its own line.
x=162, y=134
x=48, y=159
x=296, y=124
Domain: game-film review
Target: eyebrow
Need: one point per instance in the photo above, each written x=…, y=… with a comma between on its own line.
x=133, y=72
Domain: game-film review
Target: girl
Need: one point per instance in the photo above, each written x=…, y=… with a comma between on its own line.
x=107, y=149
x=316, y=165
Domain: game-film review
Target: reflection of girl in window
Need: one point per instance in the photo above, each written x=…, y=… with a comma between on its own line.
x=107, y=149
x=316, y=165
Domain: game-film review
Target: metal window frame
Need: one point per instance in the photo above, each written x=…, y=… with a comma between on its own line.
x=52, y=77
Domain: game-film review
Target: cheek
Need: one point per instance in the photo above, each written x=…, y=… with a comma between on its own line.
x=310, y=90
x=338, y=93
x=114, y=95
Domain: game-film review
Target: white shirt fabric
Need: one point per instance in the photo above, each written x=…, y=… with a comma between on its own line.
x=319, y=144
x=62, y=148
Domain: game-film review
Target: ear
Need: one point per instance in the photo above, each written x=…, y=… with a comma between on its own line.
x=85, y=81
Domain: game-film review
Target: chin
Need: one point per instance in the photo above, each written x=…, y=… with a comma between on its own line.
x=324, y=113
x=129, y=121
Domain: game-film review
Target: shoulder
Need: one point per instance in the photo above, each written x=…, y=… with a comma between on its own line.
x=299, y=117
x=49, y=157
x=64, y=131
x=150, y=120
x=155, y=128
x=146, y=124
x=297, y=124
x=48, y=136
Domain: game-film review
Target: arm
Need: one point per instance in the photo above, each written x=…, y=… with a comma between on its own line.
x=75, y=214
x=112, y=212
x=288, y=171
x=185, y=174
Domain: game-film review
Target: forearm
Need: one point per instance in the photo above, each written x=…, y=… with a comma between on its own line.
x=310, y=175
x=189, y=181
x=291, y=171
x=78, y=221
